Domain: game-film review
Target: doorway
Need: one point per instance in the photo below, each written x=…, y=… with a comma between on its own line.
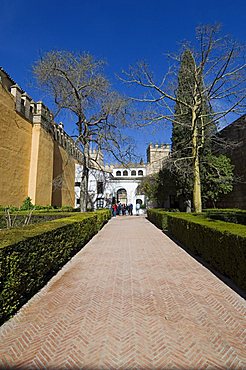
x=122, y=196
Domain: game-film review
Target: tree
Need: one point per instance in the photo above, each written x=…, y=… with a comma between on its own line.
x=210, y=165
x=149, y=187
x=217, y=71
x=217, y=173
x=76, y=83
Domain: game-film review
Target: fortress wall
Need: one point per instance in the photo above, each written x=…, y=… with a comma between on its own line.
x=33, y=158
x=41, y=166
x=63, y=193
x=156, y=154
x=15, y=152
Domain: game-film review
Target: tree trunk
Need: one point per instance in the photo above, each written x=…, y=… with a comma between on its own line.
x=84, y=180
x=197, y=198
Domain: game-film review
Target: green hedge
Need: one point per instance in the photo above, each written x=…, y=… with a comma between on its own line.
x=31, y=255
x=228, y=215
x=158, y=217
x=36, y=217
x=221, y=244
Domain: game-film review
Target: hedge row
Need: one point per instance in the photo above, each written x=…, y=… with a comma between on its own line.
x=30, y=256
x=221, y=244
x=228, y=215
x=36, y=217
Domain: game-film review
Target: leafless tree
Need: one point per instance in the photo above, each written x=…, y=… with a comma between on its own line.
x=219, y=78
x=77, y=84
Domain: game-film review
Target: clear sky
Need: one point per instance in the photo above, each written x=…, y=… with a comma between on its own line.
x=118, y=31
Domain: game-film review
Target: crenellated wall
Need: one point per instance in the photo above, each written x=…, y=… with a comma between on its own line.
x=37, y=157
x=15, y=152
x=156, y=154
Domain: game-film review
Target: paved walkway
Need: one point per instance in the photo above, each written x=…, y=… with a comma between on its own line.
x=131, y=299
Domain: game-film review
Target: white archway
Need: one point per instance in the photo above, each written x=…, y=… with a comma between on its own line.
x=122, y=196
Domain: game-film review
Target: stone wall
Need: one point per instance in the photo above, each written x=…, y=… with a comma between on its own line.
x=37, y=157
x=235, y=140
x=156, y=154
x=15, y=152
x=63, y=192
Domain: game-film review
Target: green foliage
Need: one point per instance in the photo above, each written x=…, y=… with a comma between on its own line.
x=167, y=186
x=149, y=187
x=217, y=177
x=234, y=216
x=27, y=204
x=221, y=244
x=30, y=256
x=159, y=187
x=37, y=217
x=181, y=134
x=216, y=173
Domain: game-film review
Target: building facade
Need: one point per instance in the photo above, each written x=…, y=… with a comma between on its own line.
x=120, y=183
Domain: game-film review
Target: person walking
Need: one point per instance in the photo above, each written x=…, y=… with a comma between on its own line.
x=114, y=207
x=119, y=210
x=130, y=209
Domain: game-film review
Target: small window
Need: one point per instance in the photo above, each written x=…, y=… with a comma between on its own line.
x=99, y=187
x=133, y=173
x=22, y=106
x=100, y=203
x=118, y=173
x=77, y=183
x=125, y=173
x=77, y=201
x=140, y=173
x=31, y=112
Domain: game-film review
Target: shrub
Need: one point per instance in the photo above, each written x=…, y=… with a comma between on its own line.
x=29, y=256
x=27, y=204
x=228, y=215
x=221, y=244
x=19, y=217
x=158, y=217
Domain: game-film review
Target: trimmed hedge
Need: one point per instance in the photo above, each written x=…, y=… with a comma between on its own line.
x=228, y=215
x=221, y=244
x=158, y=217
x=36, y=217
x=31, y=255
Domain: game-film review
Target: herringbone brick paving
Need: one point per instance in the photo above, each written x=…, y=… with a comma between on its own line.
x=131, y=299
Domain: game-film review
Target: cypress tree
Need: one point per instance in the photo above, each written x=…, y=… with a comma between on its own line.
x=181, y=133
x=190, y=85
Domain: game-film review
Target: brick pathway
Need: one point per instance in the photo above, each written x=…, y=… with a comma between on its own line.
x=131, y=299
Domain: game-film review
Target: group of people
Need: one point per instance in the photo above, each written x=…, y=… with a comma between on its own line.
x=121, y=209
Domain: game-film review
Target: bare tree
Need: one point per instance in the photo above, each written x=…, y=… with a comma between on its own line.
x=76, y=83
x=219, y=79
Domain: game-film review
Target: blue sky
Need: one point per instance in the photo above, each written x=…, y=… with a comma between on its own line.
x=118, y=31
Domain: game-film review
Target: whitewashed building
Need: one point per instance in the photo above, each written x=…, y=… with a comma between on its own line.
x=118, y=183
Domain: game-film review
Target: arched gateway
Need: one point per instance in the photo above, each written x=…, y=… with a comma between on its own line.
x=122, y=196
